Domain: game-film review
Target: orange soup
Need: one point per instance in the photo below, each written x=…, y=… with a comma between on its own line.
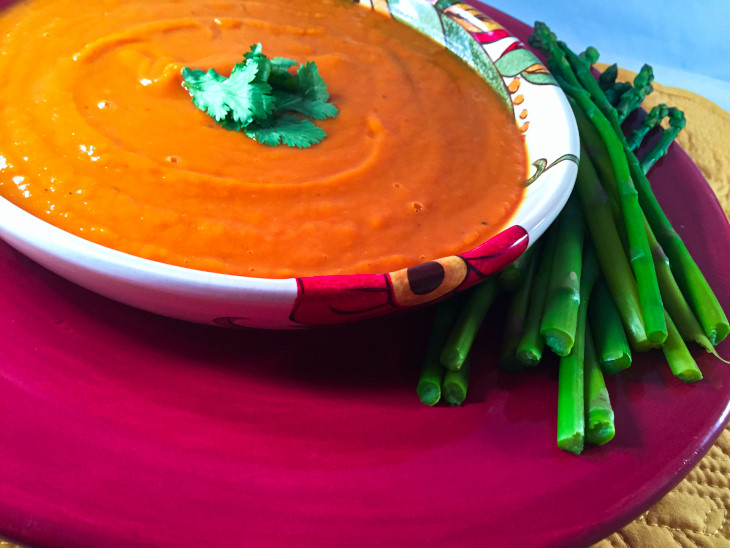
x=99, y=137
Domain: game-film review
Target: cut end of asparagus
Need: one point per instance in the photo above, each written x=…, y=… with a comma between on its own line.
x=718, y=333
x=429, y=392
x=452, y=359
x=529, y=358
x=613, y=365
x=600, y=430
x=558, y=341
x=691, y=374
x=572, y=444
x=454, y=394
x=657, y=336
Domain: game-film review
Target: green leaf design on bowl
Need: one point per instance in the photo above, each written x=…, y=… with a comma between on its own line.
x=430, y=20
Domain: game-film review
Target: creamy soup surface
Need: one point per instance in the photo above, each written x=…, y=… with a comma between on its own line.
x=99, y=137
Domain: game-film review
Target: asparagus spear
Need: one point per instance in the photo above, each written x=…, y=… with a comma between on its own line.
x=674, y=301
x=600, y=426
x=571, y=379
x=531, y=346
x=672, y=296
x=676, y=123
x=652, y=120
x=607, y=79
x=456, y=384
x=611, y=346
x=680, y=361
x=563, y=297
x=590, y=55
x=690, y=278
x=614, y=93
x=467, y=325
x=429, y=383
x=610, y=252
x=516, y=315
x=514, y=274
x=575, y=84
x=611, y=88
x=688, y=275
x=633, y=97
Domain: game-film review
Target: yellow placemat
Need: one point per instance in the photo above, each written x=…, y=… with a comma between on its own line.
x=696, y=513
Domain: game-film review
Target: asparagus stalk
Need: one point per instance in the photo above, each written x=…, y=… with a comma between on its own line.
x=680, y=361
x=671, y=294
x=652, y=120
x=640, y=257
x=589, y=56
x=611, y=345
x=655, y=117
x=690, y=278
x=688, y=275
x=516, y=315
x=560, y=316
x=614, y=93
x=675, y=303
x=607, y=79
x=611, y=88
x=633, y=97
x=599, y=420
x=467, y=325
x=614, y=264
x=676, y=123
x=456, y=384
x=514, y=274
x=429, y=383
x=571, y=379
x=531, y=345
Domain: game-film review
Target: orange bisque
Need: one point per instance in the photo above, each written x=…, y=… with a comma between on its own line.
x=99, y=137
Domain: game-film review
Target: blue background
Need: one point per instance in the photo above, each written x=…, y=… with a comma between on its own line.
x=686, y=42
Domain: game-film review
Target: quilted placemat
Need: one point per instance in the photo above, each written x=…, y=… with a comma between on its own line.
x=695, y=513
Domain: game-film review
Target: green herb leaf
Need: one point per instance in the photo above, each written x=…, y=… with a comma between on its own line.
x=260, y=97
x=288, y=129
x=247, y=97
x=317, y=110
x=206, y=89
x=238, y=95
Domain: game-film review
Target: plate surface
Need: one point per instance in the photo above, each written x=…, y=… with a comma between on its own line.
x=119, y=427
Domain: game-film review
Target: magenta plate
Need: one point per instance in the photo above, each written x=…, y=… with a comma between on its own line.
x=119, y=428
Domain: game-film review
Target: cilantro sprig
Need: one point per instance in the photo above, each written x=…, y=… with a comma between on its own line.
x=265, y=99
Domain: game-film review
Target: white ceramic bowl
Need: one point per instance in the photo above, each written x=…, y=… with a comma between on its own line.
x=551, y=137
